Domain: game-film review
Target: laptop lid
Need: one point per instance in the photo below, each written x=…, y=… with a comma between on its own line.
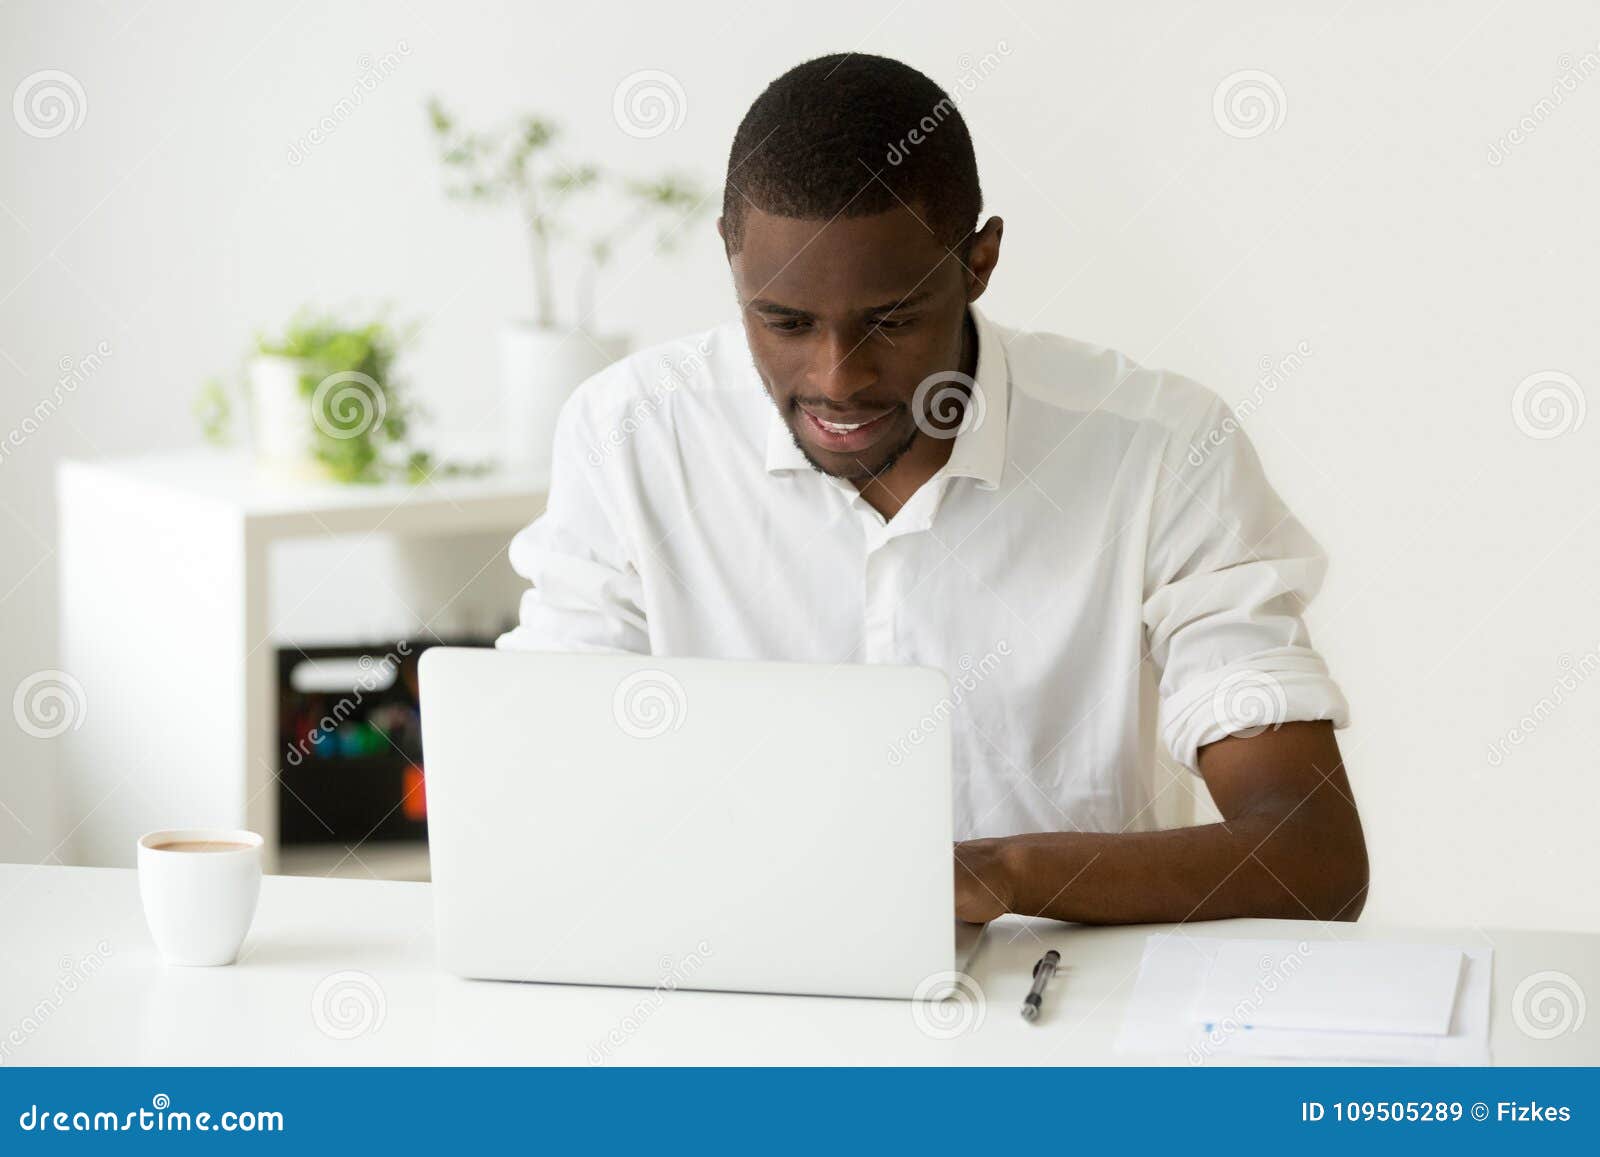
x=699, y=823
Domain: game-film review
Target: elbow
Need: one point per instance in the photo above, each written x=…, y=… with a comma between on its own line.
x=1319, y=869
x=1342, y=873
x=1348, y=896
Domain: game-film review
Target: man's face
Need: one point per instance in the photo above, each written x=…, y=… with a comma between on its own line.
x=845, y=319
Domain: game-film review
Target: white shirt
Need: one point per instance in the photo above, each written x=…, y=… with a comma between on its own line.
x=1104, y=526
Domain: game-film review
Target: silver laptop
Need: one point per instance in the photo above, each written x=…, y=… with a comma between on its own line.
x=691, y=823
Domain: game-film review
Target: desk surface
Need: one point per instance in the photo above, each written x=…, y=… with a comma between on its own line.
x=341, y=972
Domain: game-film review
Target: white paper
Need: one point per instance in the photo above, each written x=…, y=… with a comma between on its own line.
x=1159, y=1016
x=1349, y=986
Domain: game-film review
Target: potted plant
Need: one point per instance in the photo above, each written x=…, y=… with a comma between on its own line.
x=325, y=404
x=542, y=357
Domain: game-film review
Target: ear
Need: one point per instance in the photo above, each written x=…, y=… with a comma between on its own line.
x=727, y=249
x=983, y=256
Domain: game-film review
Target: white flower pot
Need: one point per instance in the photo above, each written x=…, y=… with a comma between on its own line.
x=281, y=433
x=539, y=369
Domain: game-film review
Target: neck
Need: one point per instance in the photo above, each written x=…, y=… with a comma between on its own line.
x=889, y=491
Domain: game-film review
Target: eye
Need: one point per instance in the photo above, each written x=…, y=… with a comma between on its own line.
x=788, y=324
x=893, y=323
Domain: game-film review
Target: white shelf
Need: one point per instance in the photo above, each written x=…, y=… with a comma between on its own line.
x=287, y=507
x=165, y=624
x=376, y=860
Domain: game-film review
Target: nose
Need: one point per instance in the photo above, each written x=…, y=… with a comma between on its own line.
x=842, y=366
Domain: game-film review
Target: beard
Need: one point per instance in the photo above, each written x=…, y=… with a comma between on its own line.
x=856, y=469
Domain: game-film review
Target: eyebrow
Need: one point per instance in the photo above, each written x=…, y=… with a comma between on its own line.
x=765, y=305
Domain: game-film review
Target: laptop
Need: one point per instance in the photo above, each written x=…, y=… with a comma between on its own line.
x=692, y=823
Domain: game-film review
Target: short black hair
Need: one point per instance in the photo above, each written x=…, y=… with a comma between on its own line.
x=854, y=135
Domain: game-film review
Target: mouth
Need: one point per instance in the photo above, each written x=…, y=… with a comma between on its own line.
x=845, y=433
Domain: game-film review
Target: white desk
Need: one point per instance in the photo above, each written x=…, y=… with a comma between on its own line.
x=130, y=1009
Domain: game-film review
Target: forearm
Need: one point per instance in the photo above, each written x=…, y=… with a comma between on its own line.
x=1255, y=865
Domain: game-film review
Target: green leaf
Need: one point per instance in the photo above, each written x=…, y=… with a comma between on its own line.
x=213, y=409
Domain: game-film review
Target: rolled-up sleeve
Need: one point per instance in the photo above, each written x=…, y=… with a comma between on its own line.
x=1229, y=571
x=586, y=593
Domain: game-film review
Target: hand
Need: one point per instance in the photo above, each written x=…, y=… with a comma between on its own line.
x=983, y=885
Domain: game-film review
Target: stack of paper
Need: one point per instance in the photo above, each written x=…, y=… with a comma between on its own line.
x=1358, y=1000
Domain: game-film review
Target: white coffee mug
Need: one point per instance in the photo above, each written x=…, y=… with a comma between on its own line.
x=199, y=887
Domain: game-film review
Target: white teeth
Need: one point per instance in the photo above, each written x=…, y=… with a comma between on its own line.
x=842, y=427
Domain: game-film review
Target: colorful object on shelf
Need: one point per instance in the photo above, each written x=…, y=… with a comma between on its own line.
x=415, y=801
x=350, y=749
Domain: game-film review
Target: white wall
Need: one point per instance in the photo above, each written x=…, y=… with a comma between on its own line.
x=1371, y=225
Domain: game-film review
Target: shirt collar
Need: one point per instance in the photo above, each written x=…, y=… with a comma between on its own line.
x=980, y=449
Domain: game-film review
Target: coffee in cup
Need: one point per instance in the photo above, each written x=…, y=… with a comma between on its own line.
x=200, y=846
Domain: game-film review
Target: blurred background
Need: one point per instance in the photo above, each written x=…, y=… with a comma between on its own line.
x=1369, y=227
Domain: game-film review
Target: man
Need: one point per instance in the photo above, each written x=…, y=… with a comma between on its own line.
x=871, y=471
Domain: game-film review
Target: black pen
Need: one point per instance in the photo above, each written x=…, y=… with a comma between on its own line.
x=1042, y=972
